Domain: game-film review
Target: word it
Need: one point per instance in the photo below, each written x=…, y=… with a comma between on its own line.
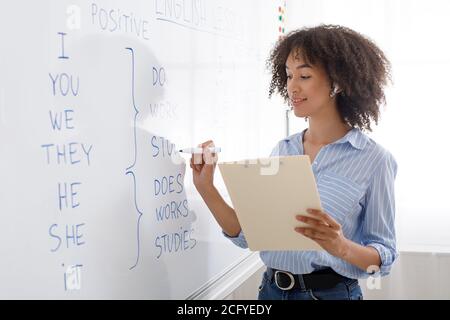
x=72, y=277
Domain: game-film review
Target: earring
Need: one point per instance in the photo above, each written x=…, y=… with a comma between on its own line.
x=333, y=93
x=335, y=90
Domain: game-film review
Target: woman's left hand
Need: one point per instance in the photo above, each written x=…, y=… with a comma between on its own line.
x=324, y=230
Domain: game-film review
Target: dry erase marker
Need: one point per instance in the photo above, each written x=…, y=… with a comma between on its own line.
x=199, y=150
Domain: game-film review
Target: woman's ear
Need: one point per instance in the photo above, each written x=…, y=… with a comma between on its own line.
x=335, y=89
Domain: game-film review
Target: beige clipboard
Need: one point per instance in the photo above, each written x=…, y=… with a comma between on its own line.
x=267, y=194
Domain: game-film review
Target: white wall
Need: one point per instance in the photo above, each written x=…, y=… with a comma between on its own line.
x=413, y=125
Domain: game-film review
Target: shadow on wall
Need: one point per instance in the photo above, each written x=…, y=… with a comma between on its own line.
x=122, y=80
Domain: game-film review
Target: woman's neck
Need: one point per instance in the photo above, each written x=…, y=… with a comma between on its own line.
x=325, y=131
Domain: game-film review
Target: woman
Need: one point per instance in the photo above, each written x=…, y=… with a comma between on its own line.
x=334, y=77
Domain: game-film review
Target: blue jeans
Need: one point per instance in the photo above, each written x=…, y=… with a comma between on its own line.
x=348, y=289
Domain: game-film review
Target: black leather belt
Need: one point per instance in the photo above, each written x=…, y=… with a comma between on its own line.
x=317, y=280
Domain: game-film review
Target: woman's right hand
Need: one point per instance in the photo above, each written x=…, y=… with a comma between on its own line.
x=203, y=167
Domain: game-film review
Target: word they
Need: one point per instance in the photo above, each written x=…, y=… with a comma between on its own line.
x=70, y=153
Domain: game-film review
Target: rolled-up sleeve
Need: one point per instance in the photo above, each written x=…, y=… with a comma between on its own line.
x=239, y=240
x=379, y=215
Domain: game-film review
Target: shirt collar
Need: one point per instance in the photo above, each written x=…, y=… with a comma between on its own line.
x=355, y=137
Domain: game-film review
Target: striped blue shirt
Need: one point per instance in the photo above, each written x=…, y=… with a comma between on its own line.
x=355, y=179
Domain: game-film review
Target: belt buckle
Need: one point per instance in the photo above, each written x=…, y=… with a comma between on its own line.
x=291, y=277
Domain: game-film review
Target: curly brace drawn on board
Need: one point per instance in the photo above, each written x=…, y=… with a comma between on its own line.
x=129, y=170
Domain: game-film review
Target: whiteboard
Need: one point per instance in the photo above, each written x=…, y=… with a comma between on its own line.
x=95, y=99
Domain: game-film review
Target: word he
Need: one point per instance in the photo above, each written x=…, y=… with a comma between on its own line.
x=167, y=185
x=172, y=210
x=70, y=153
x=71, y=234
x=63, y=195
x=115, y=20
x=175, y=242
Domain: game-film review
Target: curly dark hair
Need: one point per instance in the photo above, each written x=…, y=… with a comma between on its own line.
x=350, y=60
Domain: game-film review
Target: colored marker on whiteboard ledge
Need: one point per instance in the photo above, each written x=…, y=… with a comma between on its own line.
x=199, y=150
